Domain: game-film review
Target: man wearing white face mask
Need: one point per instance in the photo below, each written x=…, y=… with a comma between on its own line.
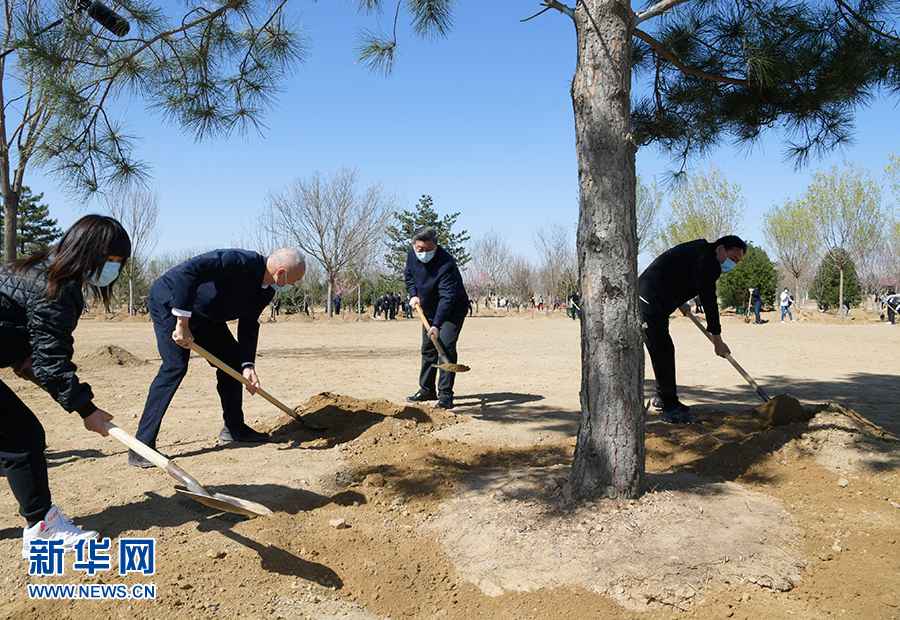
x=194, y=300
x=686, y=271
x=433, y=282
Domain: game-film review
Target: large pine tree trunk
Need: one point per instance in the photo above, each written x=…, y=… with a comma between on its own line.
x=10, y=225
x=609, y=455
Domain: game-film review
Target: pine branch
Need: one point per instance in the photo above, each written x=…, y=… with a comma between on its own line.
x=865, y=22
x=663, y=52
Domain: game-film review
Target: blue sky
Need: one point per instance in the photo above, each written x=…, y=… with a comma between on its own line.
x=481, y=120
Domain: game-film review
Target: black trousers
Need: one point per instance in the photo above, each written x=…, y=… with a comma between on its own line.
x=448, y=334
x=662, y=357
x=215, y=338
x=22, y=445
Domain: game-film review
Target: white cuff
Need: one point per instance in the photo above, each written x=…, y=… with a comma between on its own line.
x=248, y=365
x=181, y=313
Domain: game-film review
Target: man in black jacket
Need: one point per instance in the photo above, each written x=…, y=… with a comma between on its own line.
x=433, y=282
x=193, y=301
x=679, y=274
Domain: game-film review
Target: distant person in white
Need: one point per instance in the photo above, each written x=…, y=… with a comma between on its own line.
x=786, y=302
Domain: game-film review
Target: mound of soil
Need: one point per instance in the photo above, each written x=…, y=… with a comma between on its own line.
x=784, y=409
x=112, y=355
x=364, y=422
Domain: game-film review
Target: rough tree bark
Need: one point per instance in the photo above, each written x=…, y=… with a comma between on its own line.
x=10, y=224
x=609, y=455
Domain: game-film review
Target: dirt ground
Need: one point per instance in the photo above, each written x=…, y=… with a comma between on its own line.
x=468, y=514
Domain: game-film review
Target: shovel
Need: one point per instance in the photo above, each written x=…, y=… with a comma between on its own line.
x=445, y=365
x=192, y=488
x=231, y=372
x=686, y=311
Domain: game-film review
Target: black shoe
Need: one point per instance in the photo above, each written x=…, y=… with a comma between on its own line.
x=677, y=414
x=243, y=434
x=421, y=396
x=136, y=460
x=445, y=402
x=656, y=404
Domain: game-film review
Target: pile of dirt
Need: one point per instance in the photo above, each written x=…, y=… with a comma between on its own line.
x=363, y=422
x=112, y=355
x=842, y=441
x=784, y=409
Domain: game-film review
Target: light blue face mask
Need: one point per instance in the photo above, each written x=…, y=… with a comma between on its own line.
x=106, y=275
x=426, y=256
x=728, y=265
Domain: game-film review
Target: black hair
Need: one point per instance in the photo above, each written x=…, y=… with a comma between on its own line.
x=426, y=233
x=82, y=252
x=731, y=242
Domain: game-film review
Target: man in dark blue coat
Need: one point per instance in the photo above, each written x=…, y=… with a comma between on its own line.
x=193, y=301
x=433, y=282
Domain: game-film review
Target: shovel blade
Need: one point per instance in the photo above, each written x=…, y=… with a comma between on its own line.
x=448, y=367
x=227, y=503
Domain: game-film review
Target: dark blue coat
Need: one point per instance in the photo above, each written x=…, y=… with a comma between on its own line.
x=438, y=285
x=219, y=286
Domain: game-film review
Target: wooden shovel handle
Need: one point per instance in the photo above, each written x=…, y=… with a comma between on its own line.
x=437, y=343
x=168, y=465
x=686, y=311
x=231, y=372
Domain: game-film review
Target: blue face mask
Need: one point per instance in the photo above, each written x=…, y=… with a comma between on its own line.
x=728, y=265
x=426, y=256
x=278, y=287
x=106, y=275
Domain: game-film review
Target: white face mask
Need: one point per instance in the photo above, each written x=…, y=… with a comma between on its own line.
x=426, y=256
x=106, y=275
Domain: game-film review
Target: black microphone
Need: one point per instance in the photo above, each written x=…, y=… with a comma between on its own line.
x=106, y=17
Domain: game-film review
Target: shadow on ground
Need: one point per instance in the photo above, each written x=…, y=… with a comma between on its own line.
x=341, y=424
x=516, y=408
x=721, y=447
x=154, y=510
x=317, y=353
x=63, y=457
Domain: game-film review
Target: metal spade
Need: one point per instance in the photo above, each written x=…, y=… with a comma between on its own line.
x=192, y=488
x=445, y=364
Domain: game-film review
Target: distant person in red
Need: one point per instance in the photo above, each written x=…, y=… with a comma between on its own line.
x=686, y=271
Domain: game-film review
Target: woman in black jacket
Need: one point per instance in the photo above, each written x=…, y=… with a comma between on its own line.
x=41, y=300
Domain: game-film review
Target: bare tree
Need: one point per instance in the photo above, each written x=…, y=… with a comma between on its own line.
x=648, y=205
x=788, y=229
x=137, y=209
x=331, y=220
x=476, y=283
x=521, y=278
x=846, y=207
x=559, y=264
x=491, y=257
x=703, y=206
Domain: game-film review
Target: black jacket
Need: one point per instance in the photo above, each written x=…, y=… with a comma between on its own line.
x=438, y=285
x=32, y=325
x=219, y=286
x=686, y=271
